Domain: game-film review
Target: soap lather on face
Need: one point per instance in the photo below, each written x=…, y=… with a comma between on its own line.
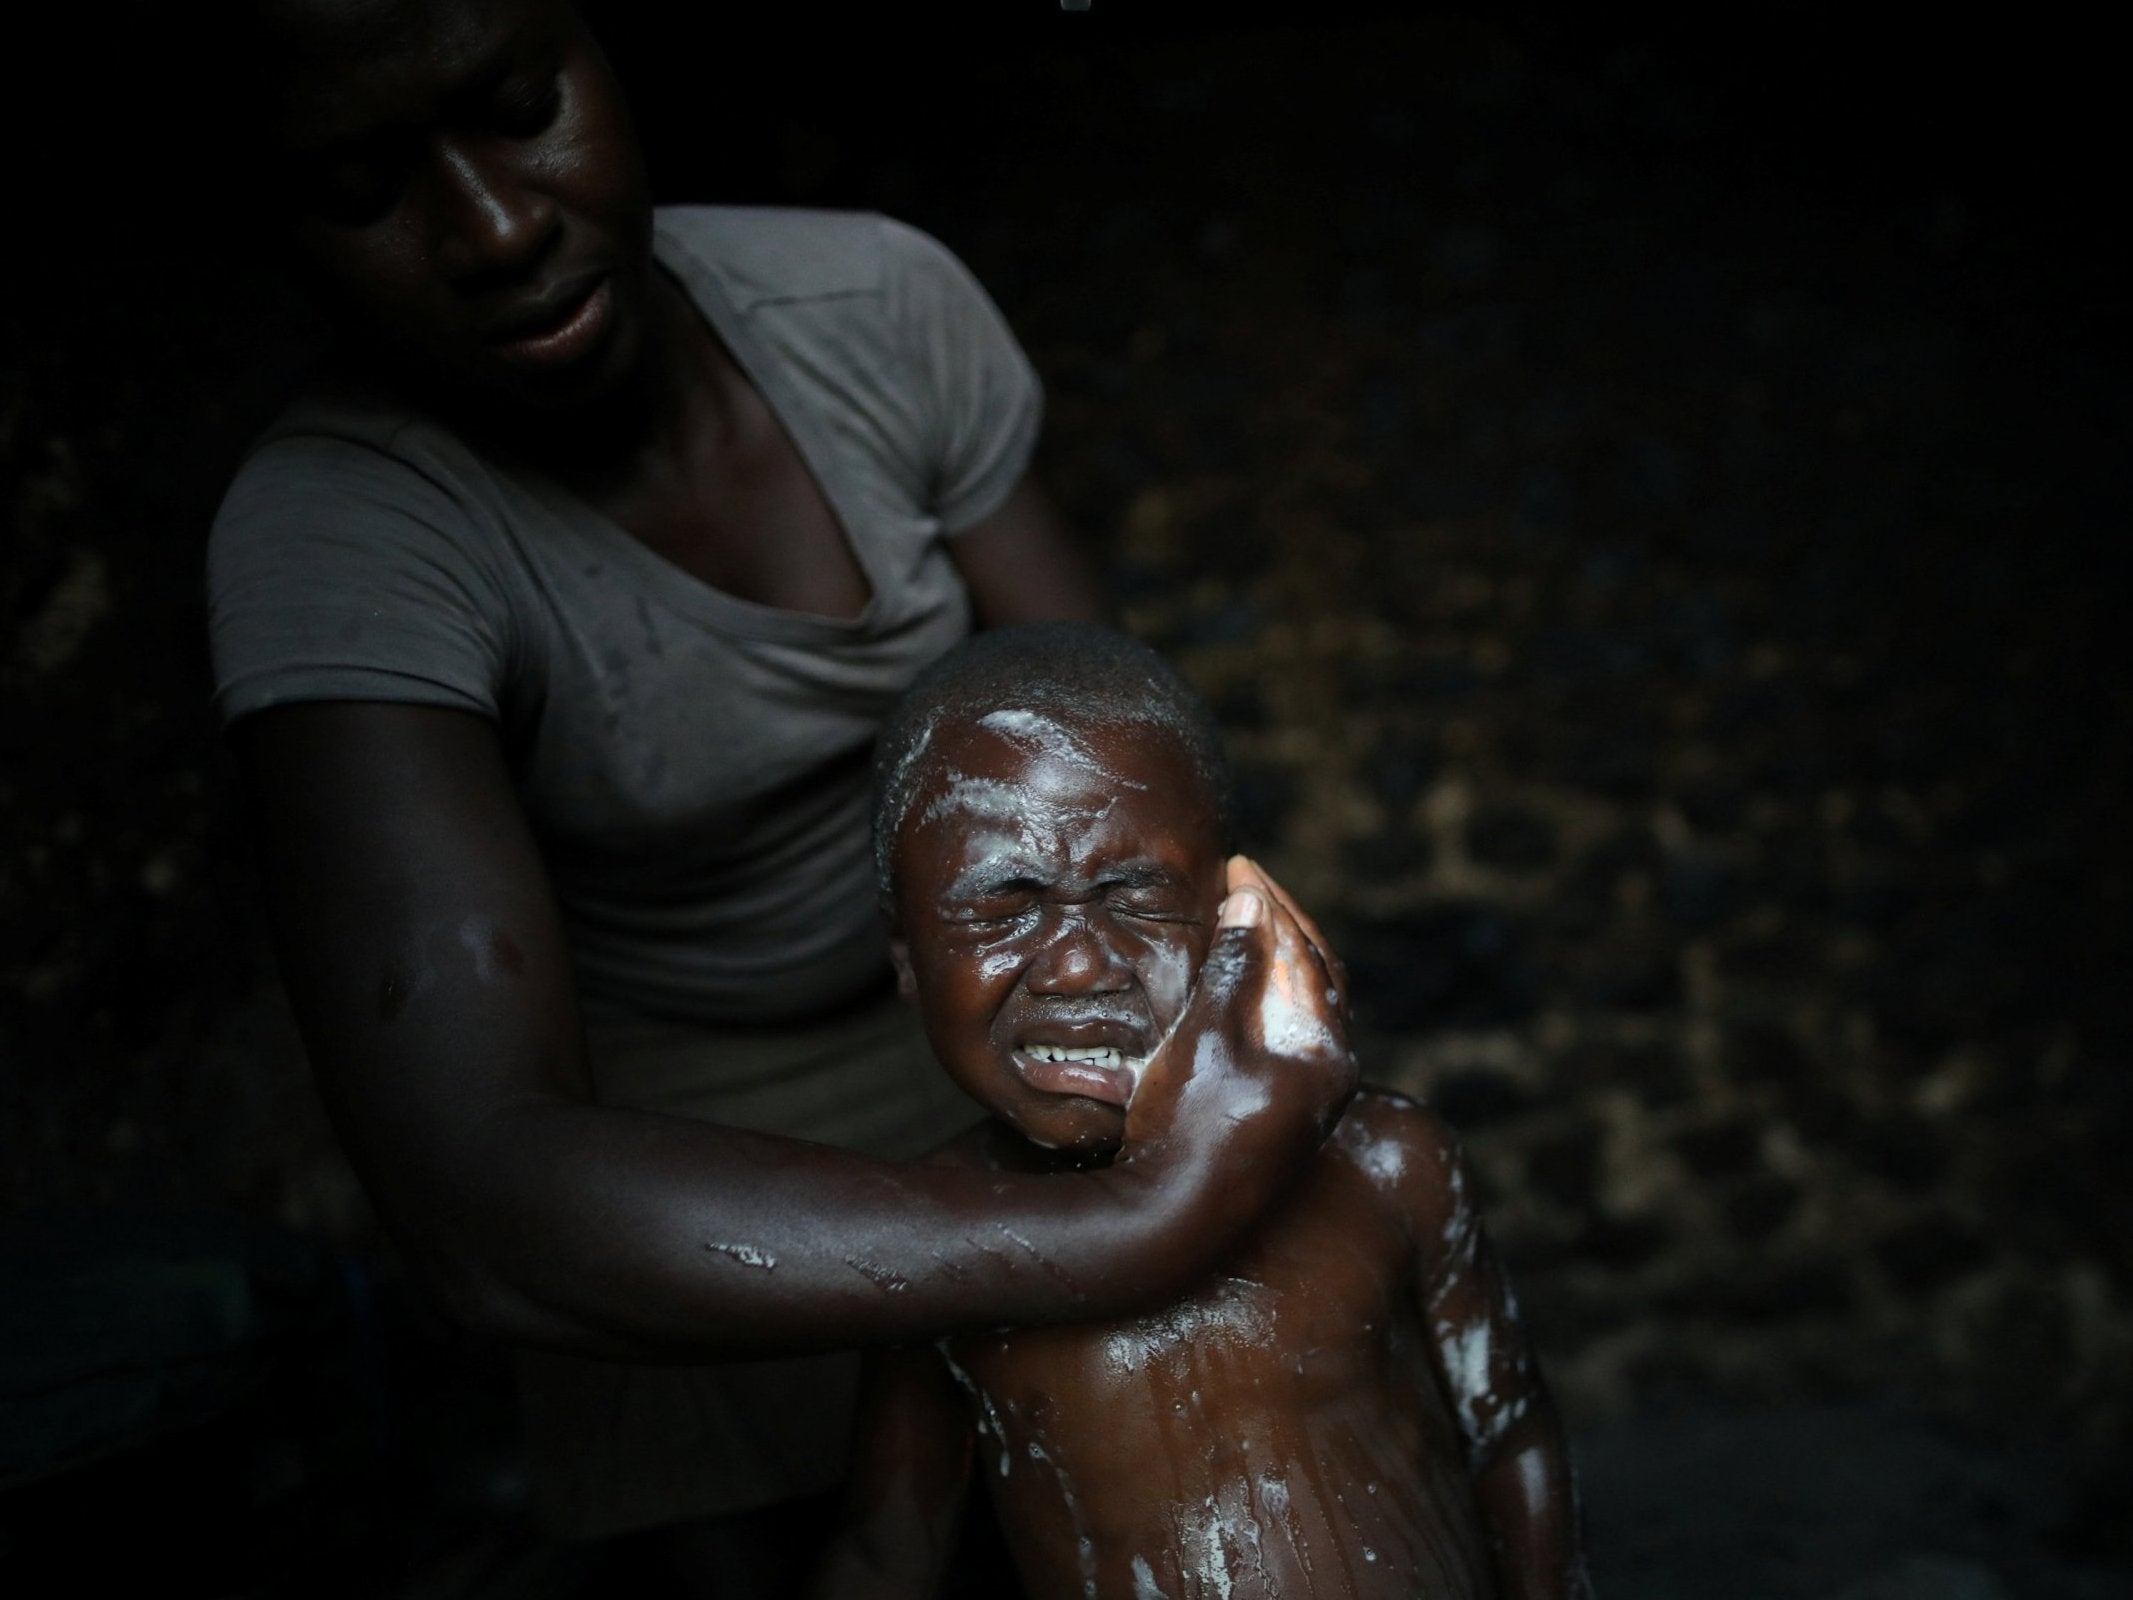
x=1056, y=889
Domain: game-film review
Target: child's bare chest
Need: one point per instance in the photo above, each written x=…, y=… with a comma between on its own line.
x=1282, y=1415
x=1311, y=1311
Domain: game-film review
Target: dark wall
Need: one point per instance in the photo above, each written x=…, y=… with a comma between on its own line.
x=1641, y=496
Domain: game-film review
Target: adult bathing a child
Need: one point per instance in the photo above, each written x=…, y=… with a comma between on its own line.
x=552, y=624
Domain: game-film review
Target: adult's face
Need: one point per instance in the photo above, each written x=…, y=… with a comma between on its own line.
x=463, y=184
x=1056, y=889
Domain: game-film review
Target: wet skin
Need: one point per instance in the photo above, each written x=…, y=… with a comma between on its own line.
x=1349, y=1406
x=1288, y=1424
x=1059, y=891
x=415, y=921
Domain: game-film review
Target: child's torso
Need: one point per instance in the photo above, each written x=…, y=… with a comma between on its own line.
x=1278, y=1433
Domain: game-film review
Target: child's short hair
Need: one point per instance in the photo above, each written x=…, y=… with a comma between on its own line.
x=1076, y=671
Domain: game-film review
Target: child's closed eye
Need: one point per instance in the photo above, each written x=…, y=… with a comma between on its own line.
x=1005, y=901
x=1152, y=910
x=1144, y=901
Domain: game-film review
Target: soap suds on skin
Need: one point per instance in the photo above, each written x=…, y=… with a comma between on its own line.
x=747, y=1255
x=1008, y=806
x=1200, y=1544
x=989, y=1422
x=1017, y=1238
x=898, y=784
x=1219, y=1542
x=985, y=798
x=1384, y=1161
x=1462, y=1244
x=880, y=1277
x=1084, y=1546
x=1289, y=1025
x=1470, y=1356
x=1240, y=1314
x=1045, y=1263
x=1168, y=984
x=1466, y=1360
x=1046, y=736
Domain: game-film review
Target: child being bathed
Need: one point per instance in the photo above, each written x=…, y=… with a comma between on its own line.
x=1350, y=1407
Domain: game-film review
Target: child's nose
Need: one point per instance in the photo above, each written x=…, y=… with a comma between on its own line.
x=1077, y=959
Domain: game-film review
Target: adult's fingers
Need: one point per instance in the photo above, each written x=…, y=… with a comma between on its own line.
x=1246, y=925
x=1243, y=931
x=1242, y=948
x=1291, y=1008
x=1244, y=870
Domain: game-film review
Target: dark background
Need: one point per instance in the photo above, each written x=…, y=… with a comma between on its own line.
x=1643, y=495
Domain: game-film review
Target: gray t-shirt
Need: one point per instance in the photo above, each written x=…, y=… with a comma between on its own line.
x=694, y=764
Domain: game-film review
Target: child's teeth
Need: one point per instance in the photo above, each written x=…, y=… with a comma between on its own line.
x=1100, y=1055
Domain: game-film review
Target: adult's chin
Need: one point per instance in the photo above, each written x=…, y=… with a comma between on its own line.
x=511, y=383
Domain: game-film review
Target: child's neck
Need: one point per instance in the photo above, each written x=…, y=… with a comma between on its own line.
x=1009, y=1149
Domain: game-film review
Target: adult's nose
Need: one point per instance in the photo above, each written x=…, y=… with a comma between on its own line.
x=492, y=222
x=1077, y=958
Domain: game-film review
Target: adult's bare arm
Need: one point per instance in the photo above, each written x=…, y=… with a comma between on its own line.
x=429, y=971
x=1021, y=564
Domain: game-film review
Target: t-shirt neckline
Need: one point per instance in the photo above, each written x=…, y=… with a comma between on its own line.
x=683, y=590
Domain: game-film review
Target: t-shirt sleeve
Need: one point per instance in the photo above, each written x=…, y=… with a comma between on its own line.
x=337, y=571
x=984, y=402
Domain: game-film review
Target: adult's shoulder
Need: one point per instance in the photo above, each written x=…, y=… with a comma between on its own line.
x=346, y=477
x=341, y=439
x=356, y=556
x=763, y=255
x=893, y=334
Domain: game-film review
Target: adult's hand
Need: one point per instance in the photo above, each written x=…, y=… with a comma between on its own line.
x=1256, y=1071
x=429, y=970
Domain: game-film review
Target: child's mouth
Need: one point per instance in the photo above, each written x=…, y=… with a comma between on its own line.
x=1095, y=1072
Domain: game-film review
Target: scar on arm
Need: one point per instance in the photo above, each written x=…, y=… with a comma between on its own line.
x=496, y=956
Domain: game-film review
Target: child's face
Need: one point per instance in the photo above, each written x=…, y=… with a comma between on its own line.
x=1056, y=890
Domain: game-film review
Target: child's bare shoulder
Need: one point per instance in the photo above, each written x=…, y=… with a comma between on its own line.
x=1406, y=1152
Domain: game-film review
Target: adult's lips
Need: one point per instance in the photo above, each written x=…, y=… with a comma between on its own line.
x=558, y=323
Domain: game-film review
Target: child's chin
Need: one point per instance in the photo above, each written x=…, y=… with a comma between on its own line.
x=1083, y=1145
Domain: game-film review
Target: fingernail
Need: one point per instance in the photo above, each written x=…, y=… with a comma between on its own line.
x=1242, y=909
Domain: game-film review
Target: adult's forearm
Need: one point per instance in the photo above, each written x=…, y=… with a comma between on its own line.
x=550, y=1220
x=648, y=1237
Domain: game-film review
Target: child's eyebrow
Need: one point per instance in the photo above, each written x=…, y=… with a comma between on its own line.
x=1001, y=872
x=992, y=874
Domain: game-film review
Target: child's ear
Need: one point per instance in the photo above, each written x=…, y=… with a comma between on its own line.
x=906, y=982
